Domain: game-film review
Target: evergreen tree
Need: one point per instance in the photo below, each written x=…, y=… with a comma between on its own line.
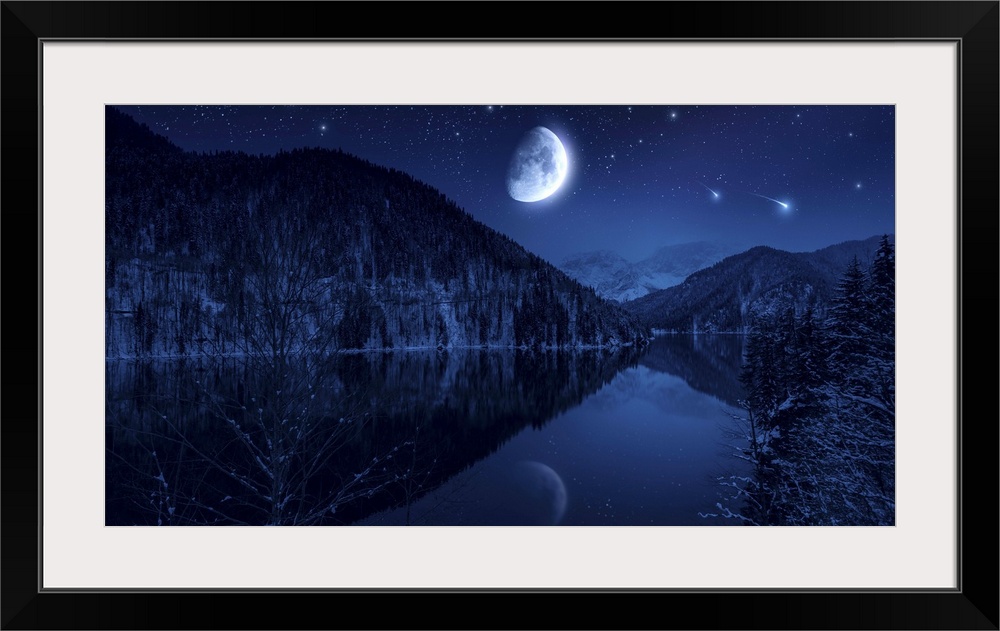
x=883, y=288
x=848, y=325
x=820, y=408
x=883, y=324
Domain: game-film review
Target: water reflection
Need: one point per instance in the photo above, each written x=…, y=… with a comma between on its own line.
x=647, y=449
x=426, y=438
x=312, y=442
x=708, y=363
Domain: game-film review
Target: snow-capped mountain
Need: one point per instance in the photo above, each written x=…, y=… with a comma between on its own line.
x=610, y=275
x=615, y=278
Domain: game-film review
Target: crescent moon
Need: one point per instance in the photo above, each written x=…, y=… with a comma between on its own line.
x=538, y=167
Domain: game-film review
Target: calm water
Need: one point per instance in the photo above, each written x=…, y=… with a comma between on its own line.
x=460, y=438
x=645, y=449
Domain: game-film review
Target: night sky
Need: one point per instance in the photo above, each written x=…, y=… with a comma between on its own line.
x=638, y=178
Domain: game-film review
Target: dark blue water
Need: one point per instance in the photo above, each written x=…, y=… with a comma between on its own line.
x=465, y=437
x=646, y=449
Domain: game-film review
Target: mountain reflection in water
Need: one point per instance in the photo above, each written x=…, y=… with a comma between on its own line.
x=465, y=437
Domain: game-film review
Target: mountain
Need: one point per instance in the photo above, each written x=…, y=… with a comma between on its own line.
x=671, y=264
x=607, y=272
x=315, y=250
x=121, y=130
x=729, y=295
x=617, y=279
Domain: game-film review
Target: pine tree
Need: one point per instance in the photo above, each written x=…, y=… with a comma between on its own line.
x=820, y=408
x=761, y=373
x=882, y=321
x=848, y=325
x=883, y=288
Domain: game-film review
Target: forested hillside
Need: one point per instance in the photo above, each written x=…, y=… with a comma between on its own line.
x=761, y=282
x=316, y=250
x=820, y=414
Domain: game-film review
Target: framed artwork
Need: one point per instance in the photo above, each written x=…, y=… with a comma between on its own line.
x=574, y=322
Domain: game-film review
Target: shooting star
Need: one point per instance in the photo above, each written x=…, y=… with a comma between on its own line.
x=714, y=194
x=771, y=199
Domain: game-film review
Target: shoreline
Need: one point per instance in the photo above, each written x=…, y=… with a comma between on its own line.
x=373, y=351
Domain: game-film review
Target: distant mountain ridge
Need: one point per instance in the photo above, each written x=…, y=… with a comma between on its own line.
x=731, y=294
x=617, y=279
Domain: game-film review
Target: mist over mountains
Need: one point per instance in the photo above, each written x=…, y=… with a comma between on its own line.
x=617, y=279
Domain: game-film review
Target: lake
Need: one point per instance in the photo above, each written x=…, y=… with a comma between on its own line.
x=463, y=437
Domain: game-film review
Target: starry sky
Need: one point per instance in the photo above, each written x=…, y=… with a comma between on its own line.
x=792, y=177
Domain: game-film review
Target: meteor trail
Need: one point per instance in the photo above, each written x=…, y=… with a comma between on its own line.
x=716, y=195
x=771, y=199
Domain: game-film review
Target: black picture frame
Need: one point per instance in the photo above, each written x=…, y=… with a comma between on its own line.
x=973, y=605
